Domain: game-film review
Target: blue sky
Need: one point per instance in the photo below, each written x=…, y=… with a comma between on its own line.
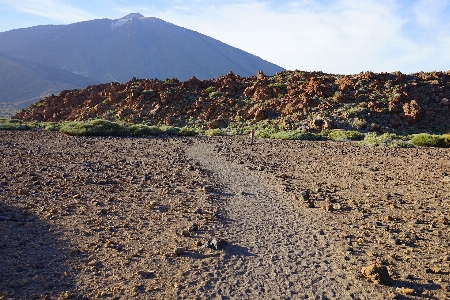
x=334, y=36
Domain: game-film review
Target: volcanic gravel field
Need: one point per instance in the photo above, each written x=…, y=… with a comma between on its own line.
x=219, y=218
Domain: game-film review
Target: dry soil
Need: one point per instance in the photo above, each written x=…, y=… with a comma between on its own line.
x=121, y=218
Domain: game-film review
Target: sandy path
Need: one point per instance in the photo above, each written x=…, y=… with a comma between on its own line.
x=278, y=250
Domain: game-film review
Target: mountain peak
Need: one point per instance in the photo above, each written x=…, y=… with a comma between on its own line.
x=133, y=16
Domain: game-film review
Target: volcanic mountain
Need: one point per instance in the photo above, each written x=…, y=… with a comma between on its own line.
x=47, y=59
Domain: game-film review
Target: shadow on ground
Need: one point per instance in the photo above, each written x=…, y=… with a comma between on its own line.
x=33, y=259
x=418, y=288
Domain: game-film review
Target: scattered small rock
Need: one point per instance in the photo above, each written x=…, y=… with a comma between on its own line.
x=147, y=274
x=194, y=227
x=445, y=287
x=179, y=250
x=93, y=263
x=186, y=233
x=23, y=192
x=151, y=205
x=304, y=195
x=208, y=188
x=407, y=276
x=406, y=291
x=377, y=274
x=328, y=207
x=433, y=270
x=217, y=244
x=394, y=241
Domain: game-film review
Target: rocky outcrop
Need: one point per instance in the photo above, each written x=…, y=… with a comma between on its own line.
x=295, y=99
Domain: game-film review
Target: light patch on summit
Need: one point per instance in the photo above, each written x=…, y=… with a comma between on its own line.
x=120, y=22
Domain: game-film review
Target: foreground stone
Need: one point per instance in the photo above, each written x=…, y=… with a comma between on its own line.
x=377, y=274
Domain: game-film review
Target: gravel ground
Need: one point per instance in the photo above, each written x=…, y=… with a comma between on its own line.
x=120, y=218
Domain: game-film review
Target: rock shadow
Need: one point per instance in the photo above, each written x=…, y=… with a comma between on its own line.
x=419, y=288
x=33, y=259
x=236, y=250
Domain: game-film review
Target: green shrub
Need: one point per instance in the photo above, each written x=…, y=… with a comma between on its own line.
x=387, y=139
x=170, y=130
x=144, y=130
x=431, y=140
x=210, y=89
x=94, y=128
x=213, y=95
x=278, y=85
x=188, y=131
x=265, y=132
x=345, y=135
x=13, y=124
x=214, y=132
x=50, y=126
x=296, y=135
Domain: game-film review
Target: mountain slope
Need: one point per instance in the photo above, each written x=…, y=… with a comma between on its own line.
x=118, y=50
x=23, y=83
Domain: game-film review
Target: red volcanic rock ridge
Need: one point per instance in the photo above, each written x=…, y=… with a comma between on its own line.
x=294, y=99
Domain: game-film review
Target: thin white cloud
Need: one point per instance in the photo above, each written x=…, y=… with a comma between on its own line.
x=428, y=13
x=333, y=38
x=336, y=36
x=342, y=36
x=50, y=9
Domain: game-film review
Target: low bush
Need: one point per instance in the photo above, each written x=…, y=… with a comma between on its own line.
x=345, y=135
x=387, y=139
x=210, y=89
x=265, y=132
x=94, y=128
x=431, y=140
x=144, y=130
x=170, y=130
x=214, y=132
x=49, y=126
x=12, y=124
x=296, y=135
x=188, y=131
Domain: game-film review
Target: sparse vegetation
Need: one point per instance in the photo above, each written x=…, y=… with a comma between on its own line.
x=345, y=135
x=387, y=139
x=213, y=95
x=144, y=130
x=94, y=128
x=188, y=131
x=214, y=132
x=50, y=126
x=210, y=89
x=11, y=124
x=169, y=130
x=296, y=135
x=431, y=140
x=100, y=127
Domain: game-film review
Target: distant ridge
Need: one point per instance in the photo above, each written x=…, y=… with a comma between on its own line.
x=56, y=57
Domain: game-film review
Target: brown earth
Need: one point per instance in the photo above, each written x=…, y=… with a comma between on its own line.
x=95, y=217
x=367, y=101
